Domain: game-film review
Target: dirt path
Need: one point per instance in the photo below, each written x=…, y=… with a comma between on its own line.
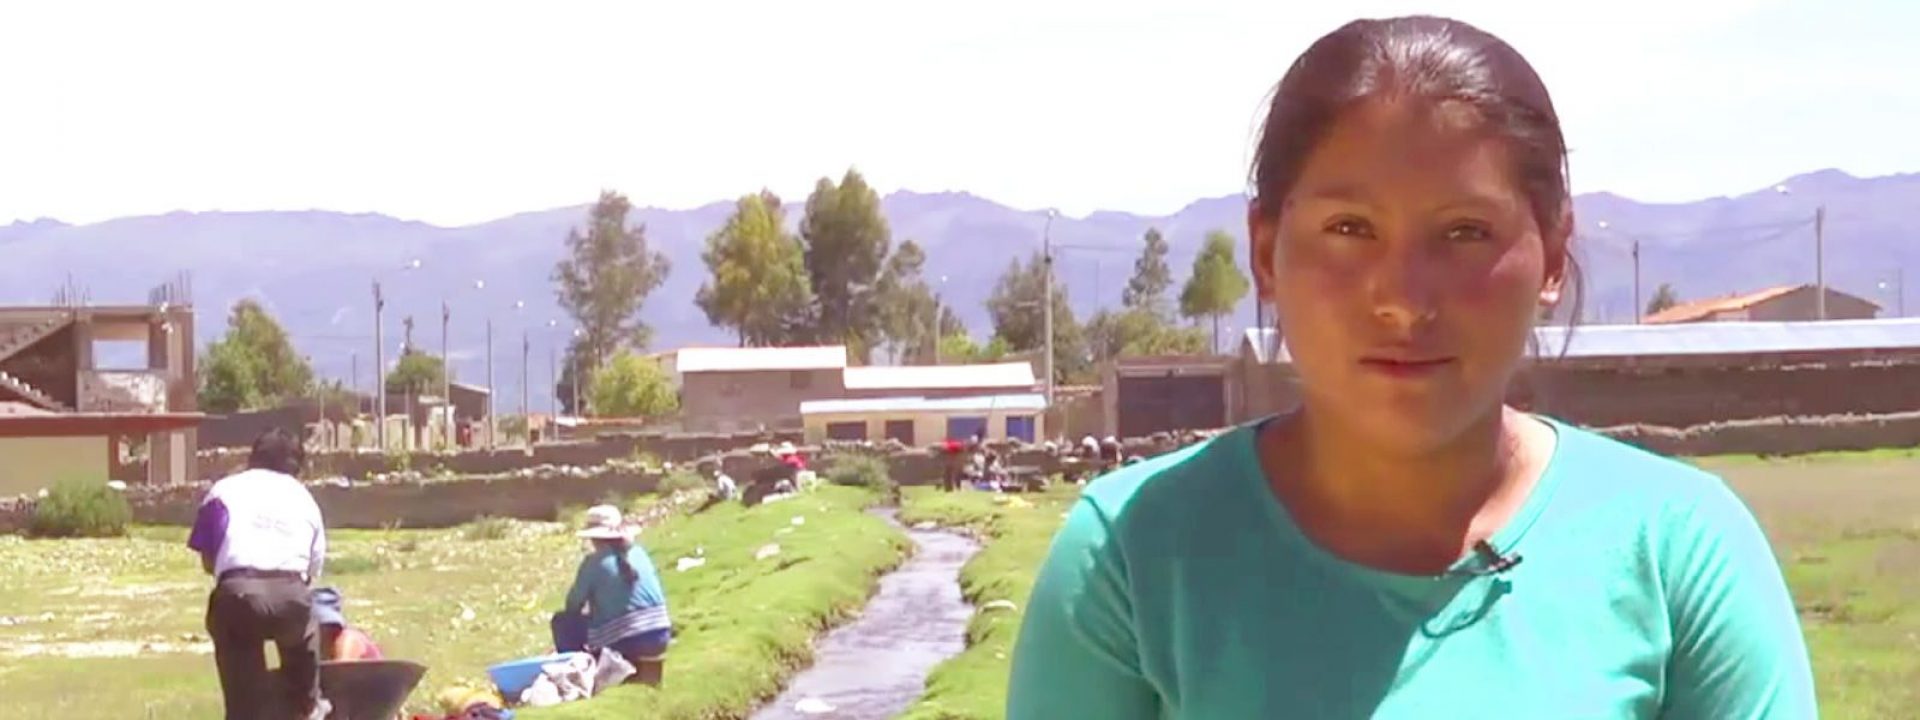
x=875, y=666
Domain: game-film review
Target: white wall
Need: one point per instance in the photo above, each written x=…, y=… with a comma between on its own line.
x=29, y=464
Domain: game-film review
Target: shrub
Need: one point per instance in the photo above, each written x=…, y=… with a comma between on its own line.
x=487, y=528
x=682, y=481
x=81, y=509
x=861, y=470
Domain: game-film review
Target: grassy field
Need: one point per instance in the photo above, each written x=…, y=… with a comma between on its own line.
x=1846, y=527
x=974, y=683
x=1847, y=530
x=127, y=615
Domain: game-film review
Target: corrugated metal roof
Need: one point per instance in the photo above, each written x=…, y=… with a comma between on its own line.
x=1706, y=338
x=1034, y=402
x=695, y=360
x=912, y=377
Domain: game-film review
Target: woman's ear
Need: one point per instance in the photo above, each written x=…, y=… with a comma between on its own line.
x=1263, y=234
x=1557, y=260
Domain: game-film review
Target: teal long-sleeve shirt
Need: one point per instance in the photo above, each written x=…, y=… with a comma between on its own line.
x=607, y=597
x=1181, y=588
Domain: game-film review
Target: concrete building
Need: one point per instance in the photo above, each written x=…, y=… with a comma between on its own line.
x=1166, y=393
x=920, y=421
x=81, y=382
x=736, y=389
x=1789, y=303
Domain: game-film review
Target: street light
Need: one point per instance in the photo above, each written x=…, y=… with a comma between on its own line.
x=1898, y=286
x=1819, y=254
x=379, y=359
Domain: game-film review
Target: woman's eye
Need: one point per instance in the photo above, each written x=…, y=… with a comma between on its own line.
x=1350, y=227
x=1469, y=232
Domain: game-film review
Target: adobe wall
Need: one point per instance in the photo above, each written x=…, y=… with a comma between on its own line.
x=1691, y=397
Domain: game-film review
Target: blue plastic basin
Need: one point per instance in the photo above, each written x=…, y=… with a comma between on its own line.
x=515, y=676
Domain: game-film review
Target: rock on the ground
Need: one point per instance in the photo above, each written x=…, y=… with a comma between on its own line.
x=766, y=551
x=998, y=605
x=812, y=706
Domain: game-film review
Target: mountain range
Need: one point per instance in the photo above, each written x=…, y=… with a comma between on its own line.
x=314, y=270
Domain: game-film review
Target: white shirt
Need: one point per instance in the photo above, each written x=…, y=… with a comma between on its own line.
x=261, y=520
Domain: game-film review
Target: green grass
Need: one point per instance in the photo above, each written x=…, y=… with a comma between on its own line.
x=455, y=600
x=1017, y=535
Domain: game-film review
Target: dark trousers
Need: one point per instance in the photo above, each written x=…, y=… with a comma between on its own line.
x=247, y=611
x=643, y=651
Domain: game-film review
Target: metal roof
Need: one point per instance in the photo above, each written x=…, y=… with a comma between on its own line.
x=1032, y=402
x=1015, y=375
x=695, y=360
x=1684, y=339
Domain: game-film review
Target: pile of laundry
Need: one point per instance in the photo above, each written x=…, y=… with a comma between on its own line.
x=467, y=703
x=578, y=677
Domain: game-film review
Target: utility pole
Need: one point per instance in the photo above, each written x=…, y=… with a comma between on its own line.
x=526, y=376
x=446, y=374
x=1046, y=255
x=579, y=368
x=491, y=427
x=1639, y=309
x=1820, y=261
x=936, y=328
x=379, y=363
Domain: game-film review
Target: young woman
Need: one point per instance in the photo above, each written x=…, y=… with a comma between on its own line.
x=618, y=590
x=1363, y=556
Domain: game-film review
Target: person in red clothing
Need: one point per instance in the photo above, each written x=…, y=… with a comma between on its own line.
x=337, y=640
x=790, y=457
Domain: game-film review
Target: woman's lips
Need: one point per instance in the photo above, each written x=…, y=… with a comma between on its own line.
x=1398, y=367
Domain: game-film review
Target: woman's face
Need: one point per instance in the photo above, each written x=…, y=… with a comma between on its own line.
x=1407, y=268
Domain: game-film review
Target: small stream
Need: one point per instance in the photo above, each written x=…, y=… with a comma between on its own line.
x=877, y=665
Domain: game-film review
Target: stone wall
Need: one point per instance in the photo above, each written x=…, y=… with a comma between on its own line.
x=536, y=494
x=361, y=465
x=1777, y=436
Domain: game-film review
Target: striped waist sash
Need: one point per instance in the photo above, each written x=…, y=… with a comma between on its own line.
x=629, y=625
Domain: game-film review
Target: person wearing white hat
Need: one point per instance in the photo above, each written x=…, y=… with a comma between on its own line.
x=617, y=601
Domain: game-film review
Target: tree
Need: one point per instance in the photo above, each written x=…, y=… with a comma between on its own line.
x=1137, y=331
x=606, y=276
x=1663, y=297
x=563, y=385
x=417, y=373
x=1147, y=289
x=960, y=347
x=1019, y=317
x=1216, y=286
x=846, y=241
x=759, y=273
x=253, y=366
x=905, y=303
x=633, y=386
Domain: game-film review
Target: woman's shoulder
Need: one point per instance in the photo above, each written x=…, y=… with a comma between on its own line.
x=1175, y=484
x=1671, y=499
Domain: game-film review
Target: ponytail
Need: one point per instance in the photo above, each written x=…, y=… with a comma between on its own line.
x=621, y=548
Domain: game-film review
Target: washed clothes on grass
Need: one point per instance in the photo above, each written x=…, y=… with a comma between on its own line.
x=1182, y=588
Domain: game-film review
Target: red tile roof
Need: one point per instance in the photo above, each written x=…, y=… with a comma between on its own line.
x=1702, y=309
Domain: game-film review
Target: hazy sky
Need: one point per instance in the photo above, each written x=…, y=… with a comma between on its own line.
x=450, y=113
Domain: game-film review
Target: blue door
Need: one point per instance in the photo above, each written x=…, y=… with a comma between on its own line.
x=1020, y=427
x=963, y=428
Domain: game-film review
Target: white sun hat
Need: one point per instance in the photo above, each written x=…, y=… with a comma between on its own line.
x=604, y=523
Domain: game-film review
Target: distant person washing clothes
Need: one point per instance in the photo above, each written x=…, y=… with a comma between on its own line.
x=260, y=534
x=617, y=601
